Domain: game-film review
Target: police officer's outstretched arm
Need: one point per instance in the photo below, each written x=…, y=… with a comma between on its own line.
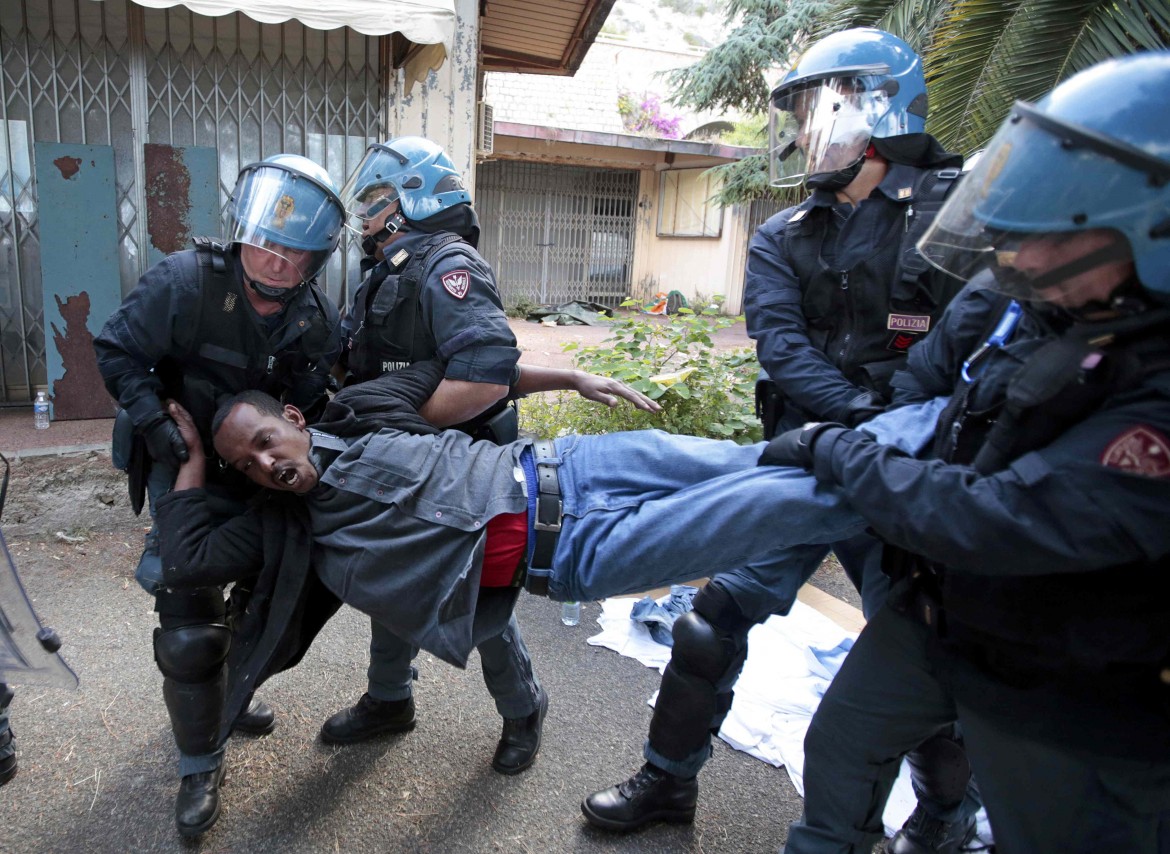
x=775, y=319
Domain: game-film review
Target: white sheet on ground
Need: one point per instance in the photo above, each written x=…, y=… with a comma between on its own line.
x=790, y=662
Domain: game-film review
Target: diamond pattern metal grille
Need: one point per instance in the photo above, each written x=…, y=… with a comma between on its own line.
x=92, y=73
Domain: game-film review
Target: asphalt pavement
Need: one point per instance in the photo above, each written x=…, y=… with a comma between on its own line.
x=97, y=766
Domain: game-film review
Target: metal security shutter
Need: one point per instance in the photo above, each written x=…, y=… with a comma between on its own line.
x=116, y=74
x=557, y=233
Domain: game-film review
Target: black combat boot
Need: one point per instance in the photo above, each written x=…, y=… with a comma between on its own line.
x=197, y=804
x=650, y=795
x=368, y=718
x=8, y=763
x=257, y=719
x=520, y=740
x=922, y=834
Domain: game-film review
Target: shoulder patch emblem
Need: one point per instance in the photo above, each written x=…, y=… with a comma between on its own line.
x=457, y=282
x=1139, y=450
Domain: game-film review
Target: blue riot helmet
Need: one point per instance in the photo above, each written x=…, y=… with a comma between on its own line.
x=1091, y=157
x=288, y=206
x=848, y=88
x=410, y=169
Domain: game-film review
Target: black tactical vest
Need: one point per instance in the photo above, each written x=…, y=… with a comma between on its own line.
x=1055, y=625
x=388, y=330
x=226, y=350
x=863, y=319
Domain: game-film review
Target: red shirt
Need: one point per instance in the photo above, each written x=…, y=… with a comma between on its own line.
x=507, y=539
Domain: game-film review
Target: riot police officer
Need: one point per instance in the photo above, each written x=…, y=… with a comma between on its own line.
x=7, y=741
x=835, y=296
x=428, y=294
x=203, y=324
x=1032, y=599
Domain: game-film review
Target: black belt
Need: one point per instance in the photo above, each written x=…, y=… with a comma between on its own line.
x=547, y=523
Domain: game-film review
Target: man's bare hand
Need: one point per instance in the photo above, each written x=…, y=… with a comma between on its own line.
x=187, y=428
x=608, y=391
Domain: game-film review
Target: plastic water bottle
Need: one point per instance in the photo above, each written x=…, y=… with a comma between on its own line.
x=570, y=613
x=41, y=411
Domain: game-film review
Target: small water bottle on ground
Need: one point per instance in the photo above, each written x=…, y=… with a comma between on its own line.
x=41, y=411
x=570, y=613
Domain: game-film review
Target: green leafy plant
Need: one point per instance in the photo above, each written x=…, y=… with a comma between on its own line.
x=521, y=306
x=702, y=391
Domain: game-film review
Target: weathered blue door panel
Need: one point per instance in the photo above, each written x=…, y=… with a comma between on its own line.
x=77, y=209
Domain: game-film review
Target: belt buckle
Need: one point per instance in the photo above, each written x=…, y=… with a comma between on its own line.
x=554, y=527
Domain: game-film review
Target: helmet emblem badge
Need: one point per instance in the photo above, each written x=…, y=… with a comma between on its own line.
x=282, y=210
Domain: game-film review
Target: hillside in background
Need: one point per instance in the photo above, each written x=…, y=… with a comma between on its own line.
x=668, y=24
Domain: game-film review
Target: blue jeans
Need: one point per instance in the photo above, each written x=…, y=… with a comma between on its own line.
x=646, y=511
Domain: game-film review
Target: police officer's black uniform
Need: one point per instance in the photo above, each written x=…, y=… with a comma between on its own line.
x=188, y=332
x=1034, y=602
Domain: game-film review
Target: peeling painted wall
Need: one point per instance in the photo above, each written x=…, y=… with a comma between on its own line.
x=442, y=107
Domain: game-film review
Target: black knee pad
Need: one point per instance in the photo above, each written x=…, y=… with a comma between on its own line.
x=6, y=695
x=192, y=654
x=699, y=648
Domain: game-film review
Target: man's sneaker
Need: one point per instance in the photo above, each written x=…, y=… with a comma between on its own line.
x=922, y=834
x=650, y=795
x=8, y=763
x=257, y=719
x=197, y=804
x=370, y=717
x=520, y=740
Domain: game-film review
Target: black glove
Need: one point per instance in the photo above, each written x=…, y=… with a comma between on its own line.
x=794, y=448
x=164, y=441
x=864, y=407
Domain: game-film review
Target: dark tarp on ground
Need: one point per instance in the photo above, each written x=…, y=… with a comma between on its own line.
x=575, y=313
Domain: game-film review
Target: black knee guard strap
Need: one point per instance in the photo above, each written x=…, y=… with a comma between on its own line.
x=939, y=768
x=182, y=607
x=719, y=609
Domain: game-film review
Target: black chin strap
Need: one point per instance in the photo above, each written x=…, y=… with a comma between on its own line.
x=279, y=295
x=1021, y=283
x=393, y=225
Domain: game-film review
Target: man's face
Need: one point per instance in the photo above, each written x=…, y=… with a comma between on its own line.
x=1039, y=254
x=274, y=265
x=271, y=451
x=833, y=127
x=380, y=210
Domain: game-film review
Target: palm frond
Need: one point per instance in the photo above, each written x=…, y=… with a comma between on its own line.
x=1119, y=28
x=989, y=53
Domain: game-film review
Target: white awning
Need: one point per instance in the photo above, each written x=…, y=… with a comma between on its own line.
x=428, y=23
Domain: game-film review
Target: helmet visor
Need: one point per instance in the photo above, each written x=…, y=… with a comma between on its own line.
x=821, y=127
x=1002, y=218
x=373, y=184
x=288, y=216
